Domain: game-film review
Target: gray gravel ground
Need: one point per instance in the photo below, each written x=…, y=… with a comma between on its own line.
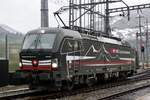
x=137, y=95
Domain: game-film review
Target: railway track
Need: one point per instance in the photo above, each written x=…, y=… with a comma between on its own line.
x=107, y=91
x=122, y=90
x=112, y=91
x=102, y=91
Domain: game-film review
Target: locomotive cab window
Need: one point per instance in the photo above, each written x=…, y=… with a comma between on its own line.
x=30, y=41
x=39, y=41
x=46, y=41
x=71, y=45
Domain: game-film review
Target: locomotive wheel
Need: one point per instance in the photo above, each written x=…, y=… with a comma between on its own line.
x=90, y=81
x=100, y=78
x=123, y=75
x=68, y=85
x=131, y=73
x=32, y=85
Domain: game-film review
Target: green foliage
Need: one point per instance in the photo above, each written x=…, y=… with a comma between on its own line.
x=13, y=51
x=14, y=56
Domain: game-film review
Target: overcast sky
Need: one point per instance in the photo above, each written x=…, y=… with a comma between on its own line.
x=24, y=15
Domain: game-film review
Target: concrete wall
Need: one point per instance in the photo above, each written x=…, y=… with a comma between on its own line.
x=3, y=72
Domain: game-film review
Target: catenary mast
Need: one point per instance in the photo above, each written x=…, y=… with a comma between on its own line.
x=44, y=13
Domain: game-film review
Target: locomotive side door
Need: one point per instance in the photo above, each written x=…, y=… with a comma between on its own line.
x=76, y=56
x=71, y=47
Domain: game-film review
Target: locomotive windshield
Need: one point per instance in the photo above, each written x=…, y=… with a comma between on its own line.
x=39, y=41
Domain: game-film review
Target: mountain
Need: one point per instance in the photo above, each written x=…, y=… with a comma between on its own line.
x=13, y=35
x=134, y=20
x=7, y=29
x=126, y=35
x=60, y=2
x=127, y=29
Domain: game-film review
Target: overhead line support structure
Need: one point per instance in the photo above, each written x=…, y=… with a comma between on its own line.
x=135, y=7
x=96, y=3
x=89, y=7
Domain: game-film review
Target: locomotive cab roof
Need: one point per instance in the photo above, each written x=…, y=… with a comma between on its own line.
x=61, y=31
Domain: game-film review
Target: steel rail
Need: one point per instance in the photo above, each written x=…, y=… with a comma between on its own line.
x=17, y=92
x=124, y=90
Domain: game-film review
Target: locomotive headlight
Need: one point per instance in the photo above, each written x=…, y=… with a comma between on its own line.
x=20, y=64
x=54, y=65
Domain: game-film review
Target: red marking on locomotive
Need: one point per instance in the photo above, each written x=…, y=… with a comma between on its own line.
x=82, y=63
x=113, y=50
x=29, y=67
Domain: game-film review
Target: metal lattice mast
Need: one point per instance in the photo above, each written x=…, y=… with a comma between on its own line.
x=80, y=12
x=107, y=27
x=71, y=14
x=92, y=16
x=44, y=13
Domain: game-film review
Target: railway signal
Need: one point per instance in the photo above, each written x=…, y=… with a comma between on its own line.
x=142, y=48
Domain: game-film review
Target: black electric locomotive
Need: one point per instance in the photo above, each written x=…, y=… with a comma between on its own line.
x=58, y=57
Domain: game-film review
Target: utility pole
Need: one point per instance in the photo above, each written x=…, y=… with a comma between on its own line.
x=137, y=42
x=147, y=36
x=6, y=47
x=44, y=13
